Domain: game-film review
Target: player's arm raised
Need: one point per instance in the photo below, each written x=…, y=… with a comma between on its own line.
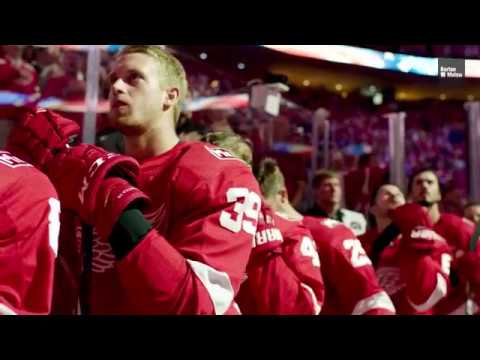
x=424, y=257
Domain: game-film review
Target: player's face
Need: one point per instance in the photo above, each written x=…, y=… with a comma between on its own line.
x=137, y=95
x=329, y=191
x=473, y=213
x=425, y=187
x=389, y=197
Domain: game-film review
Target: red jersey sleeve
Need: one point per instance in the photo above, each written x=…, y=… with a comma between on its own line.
x=272, y=288
x=274, y=283
x=350, y=280
x=457, y=231
x=29, y=229
x=202, y=272
x=426, y=272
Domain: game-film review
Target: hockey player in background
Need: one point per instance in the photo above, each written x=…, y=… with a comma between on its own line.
x=351, y=286
x=424, y=188
x=283, y=274
x=412, y=261
x=29, y=227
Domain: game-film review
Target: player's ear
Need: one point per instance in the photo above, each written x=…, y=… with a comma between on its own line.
x=171, y=98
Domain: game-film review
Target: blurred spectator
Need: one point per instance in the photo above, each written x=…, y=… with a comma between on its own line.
x=472, y=211
x=294, y=168
x=15, y=74
x=328, y=197
x=48, y=63
x=69, y=83
x=362, y=182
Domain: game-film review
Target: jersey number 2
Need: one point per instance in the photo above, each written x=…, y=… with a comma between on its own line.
x=359, y=257
x=245, y=211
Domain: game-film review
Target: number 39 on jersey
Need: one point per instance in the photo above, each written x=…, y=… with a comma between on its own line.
x=244, y=215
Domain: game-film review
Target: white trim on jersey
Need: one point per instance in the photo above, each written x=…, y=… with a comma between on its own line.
x=5, y=310
x=379, y=300
x=438, y=293
x=316, y=304
x=235, y=305
x=217, y=284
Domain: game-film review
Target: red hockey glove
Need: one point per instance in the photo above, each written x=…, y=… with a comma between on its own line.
x=39, y=135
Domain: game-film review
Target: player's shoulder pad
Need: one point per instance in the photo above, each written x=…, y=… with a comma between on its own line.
x=24, y=176
x=455, y=220
x=206, y=159
x=12, y=161
x=326, y=227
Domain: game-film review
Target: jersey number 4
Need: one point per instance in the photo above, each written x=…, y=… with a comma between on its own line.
x=307, y=248
x=358, y=256
x=245, y=211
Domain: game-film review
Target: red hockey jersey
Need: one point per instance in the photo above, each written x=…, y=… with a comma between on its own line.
x=29, y=228
x=205, y=206
x=457, y=231
x=351, y=286
x=415, y=280
x=283, y=274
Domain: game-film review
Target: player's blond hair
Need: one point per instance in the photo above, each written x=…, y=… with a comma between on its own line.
x=270, y=178
x=239, y=146
x=172, y=70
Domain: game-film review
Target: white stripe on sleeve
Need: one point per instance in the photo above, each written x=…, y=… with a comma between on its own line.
x=379, y=300
x=217, y=283
x=317, y=306
x=438, y=293
x=4, y=310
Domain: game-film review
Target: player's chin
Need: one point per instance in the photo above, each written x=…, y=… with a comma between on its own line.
x=119, y=120
x=128, y=127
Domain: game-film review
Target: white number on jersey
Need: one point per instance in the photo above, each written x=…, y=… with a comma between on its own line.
x=246, y=208
x=11, y=161
x=446, y=260
x=53, y=224
x=358, y=256
x=307, y=248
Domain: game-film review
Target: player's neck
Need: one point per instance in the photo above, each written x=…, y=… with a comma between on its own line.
x=382, y=223
x=154, y=142
x=434, y=212
x=289, y=211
